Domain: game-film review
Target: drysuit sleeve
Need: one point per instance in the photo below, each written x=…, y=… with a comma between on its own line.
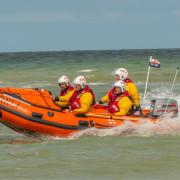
x=105, y=98
x=63, y=100
x=86, y=100
x=125, y=104
x=67, y=96
x=133, y=92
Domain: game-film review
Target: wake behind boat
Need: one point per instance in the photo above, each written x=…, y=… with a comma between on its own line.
x=33, y=112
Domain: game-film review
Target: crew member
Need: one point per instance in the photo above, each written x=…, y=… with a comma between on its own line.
x=119, y=101
x=83, y=97
x=122, y=74
x=66, y=91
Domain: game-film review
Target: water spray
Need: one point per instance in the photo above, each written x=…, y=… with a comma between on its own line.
x=171, y=89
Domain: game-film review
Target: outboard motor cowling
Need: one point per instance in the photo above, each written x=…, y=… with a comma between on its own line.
x=158, y=107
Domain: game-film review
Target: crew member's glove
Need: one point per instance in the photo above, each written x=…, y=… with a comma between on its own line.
x=100, y=102
x=56, y=98
x=135, y=108
x=81, y=115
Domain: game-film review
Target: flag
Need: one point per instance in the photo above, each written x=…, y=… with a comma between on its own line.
x=154, y=62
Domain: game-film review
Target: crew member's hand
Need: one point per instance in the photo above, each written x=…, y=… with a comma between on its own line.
x=67, y=110
x=83, y=115
x=56, y=98
x=135, y=108
x=100, y=102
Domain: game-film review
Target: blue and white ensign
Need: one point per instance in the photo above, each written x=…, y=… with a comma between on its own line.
x=154, y=63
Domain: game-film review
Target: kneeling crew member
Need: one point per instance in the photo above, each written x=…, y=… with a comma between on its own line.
x=66, y=91
x=83, y=97
x=119, y=101
x=122, y=74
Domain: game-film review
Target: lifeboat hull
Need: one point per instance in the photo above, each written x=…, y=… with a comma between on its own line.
x=32, y=112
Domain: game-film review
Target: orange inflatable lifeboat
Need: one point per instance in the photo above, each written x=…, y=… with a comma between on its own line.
x=33, y=112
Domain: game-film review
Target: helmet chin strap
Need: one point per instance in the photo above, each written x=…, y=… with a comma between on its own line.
x=119, y=92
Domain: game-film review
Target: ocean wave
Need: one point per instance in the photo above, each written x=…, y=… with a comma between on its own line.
x=90, y=76
x=166, y=126
x=97, y=83
x=113, y=72
x=37, y=85
x=161, y=92
x=87, y=70
x=27, y=86
x=139, y=83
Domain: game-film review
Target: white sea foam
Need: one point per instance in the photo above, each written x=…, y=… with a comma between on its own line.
x=27, y=86
x=139, y=83
x=90, y=76
x=165, y=126
x=113, y=72
x=42, y=84
x=37, y=85
x=87, y=70
x=97, y=83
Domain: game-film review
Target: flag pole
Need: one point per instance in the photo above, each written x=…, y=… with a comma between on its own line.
x=147, y=79
x=171, y=89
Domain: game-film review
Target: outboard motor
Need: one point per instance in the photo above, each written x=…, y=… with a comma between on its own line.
x=158, y=107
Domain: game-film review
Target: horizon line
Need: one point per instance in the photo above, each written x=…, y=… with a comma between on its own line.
x=42, y=51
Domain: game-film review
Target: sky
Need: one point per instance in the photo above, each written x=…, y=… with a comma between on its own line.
x=41, y=25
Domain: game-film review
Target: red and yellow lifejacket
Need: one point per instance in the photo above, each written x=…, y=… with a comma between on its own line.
x=127, y=80
x=68, y=89
x=111, y=93
x=75, y=98
x=113, y=106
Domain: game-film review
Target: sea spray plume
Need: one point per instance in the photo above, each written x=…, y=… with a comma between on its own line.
x=164, y=127
x=161, y=92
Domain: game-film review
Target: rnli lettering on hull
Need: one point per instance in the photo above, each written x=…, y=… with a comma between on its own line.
x=8, y=102
x=11, y=97
x=111, y=121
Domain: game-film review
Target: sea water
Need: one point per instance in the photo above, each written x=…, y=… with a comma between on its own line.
x=128, y=152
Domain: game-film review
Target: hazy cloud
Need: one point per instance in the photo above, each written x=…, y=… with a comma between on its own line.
x=177, y=13
x=43, y=17
x=36, y=17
